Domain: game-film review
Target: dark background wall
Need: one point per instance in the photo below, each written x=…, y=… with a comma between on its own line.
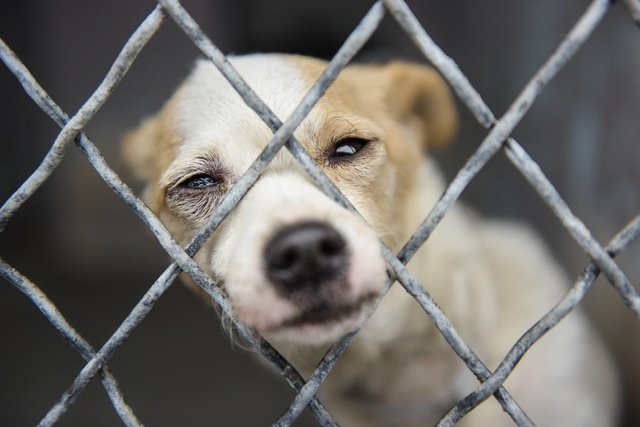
x=94, y=259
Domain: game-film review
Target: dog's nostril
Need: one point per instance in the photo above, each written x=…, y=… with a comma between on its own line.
x=290, y=258
x=283, y=260
x=305, y=255
x=331, y=246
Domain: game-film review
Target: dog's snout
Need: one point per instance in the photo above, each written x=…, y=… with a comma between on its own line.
x=305, y=255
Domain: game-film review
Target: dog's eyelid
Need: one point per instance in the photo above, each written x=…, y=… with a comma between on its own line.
x=354, y=134
x=209, y=165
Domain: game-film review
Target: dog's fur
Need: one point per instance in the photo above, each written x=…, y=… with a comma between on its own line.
x=492, y=279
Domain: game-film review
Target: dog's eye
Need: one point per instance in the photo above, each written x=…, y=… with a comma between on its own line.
x=200, y=182
x=348, y=147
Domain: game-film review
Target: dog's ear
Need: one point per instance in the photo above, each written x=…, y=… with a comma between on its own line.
x=419, y=98
x=139, y=148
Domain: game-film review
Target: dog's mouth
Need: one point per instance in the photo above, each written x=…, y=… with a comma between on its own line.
x=326, y=313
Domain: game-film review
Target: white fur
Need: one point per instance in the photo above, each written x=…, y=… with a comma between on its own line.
x=493, y=279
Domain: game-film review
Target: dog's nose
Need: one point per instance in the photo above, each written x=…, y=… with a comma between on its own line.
x=305, y=255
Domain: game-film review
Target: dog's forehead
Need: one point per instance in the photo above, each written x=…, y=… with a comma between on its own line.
x=275, y=79
x=210, y=115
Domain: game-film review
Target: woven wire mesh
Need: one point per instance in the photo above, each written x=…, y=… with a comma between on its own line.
x=497, y=139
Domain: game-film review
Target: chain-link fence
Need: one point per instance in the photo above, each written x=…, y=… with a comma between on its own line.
x=497, y=139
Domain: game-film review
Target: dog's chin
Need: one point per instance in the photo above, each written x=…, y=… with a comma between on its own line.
x=321, y=324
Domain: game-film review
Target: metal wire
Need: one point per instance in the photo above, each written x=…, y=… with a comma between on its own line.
x=58, y=321
x=498, y=137
x=118, y=70
x=572, y=298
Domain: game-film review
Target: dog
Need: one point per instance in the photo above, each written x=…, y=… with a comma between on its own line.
x=303, y=271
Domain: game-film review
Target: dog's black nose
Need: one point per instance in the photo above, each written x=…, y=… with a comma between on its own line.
x=305, y=255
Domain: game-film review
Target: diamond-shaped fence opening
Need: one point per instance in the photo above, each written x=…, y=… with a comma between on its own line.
x=498, y=138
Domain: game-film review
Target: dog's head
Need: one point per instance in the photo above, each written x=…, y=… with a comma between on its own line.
x=295, y=264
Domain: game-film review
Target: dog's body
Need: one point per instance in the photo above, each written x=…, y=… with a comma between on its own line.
x=302, y=271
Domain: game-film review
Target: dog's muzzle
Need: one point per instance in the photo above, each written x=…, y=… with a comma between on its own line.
x=304, y=257
x=298, y=268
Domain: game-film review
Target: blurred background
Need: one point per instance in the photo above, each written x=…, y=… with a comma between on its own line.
x=94, y=258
